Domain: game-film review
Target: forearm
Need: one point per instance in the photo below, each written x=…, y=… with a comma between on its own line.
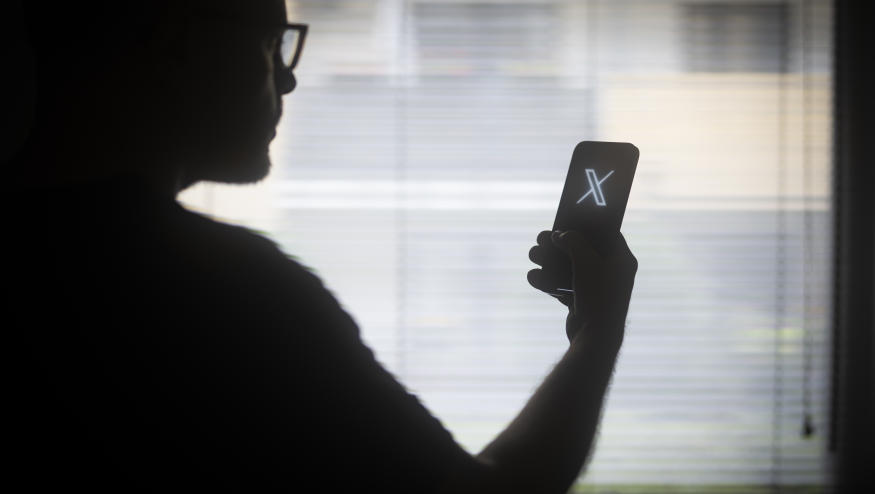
x=544, y=448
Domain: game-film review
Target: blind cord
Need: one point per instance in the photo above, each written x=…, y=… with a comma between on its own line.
x=781, y=253
x=808, y=428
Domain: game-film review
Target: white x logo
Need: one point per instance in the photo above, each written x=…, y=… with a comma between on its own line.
x=595, y=187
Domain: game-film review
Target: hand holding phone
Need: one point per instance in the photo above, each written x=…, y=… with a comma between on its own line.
x=589, y=266
x=593, y=203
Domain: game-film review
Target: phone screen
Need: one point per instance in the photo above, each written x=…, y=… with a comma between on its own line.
x=593, y=200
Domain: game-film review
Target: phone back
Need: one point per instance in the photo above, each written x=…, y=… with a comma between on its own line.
x=597, y=187
x=593, y=200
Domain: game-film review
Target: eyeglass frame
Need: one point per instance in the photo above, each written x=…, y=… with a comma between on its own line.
x=299, y=47
x=285, y=26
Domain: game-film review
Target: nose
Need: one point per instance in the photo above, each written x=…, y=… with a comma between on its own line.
x=286, y=81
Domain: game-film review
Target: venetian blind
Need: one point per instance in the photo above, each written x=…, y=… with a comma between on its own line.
x=426, y=146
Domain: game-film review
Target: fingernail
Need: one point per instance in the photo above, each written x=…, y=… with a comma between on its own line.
x=555, y=234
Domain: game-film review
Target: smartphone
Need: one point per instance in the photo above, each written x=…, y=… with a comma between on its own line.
x=593, y=201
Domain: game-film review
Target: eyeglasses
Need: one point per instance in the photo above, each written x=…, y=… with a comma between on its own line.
x=292, y=43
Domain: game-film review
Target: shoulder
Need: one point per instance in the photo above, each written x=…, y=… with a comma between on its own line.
x=256, y=271
x=234, y=249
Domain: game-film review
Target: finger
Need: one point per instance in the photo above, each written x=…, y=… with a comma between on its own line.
x=622, y=250
x=544, y=238
x=627, y=252
x=538, y=279
x=572, y=324
x=604, y=243
x=575, y=245
x=536, y=255
x=620, y=245
x=616, y=242
x=567, y=300
x=535, y=277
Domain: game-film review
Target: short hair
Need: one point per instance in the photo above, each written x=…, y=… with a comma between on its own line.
x=73, y=41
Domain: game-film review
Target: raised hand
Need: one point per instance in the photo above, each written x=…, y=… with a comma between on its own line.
x=603, y=274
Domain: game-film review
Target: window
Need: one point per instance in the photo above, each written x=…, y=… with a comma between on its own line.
x=426, y=146
x=736, y=37
x=477, y=39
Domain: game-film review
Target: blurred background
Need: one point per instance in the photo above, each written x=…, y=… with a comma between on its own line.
x=427, y=144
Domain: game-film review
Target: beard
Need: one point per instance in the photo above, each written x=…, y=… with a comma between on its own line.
x=246, y=166
x=227, y=142
x=239, y=159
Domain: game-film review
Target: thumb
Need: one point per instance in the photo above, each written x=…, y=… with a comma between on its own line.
x=572, y=243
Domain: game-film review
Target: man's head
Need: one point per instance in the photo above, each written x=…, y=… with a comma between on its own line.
x=193, y=86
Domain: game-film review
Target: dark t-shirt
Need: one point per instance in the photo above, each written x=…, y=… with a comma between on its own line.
x=162, y=350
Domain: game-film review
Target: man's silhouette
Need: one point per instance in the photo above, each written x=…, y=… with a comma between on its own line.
x=158, y=350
